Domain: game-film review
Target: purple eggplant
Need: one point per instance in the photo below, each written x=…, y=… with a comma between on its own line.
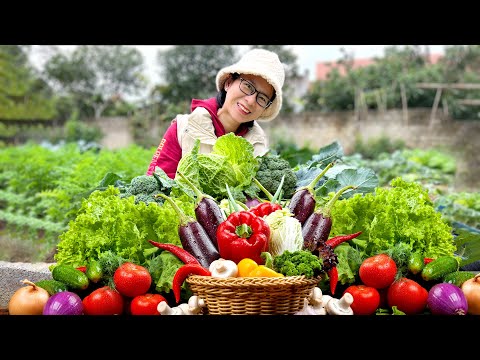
x=193, y=236
x=302, y=203
x=207, y=211
x=316, y=229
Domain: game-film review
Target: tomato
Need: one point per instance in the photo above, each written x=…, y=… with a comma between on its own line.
x=408, y=296
x=366, y=299
x=146, y=304
x=132, y=280
x=103, y=301
x=378, y=271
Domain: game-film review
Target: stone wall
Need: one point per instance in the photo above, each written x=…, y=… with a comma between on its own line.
x=461, y=138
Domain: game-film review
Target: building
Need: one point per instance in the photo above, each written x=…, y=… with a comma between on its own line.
x=322, y=69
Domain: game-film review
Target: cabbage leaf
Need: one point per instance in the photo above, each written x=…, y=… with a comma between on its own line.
x=231, y=162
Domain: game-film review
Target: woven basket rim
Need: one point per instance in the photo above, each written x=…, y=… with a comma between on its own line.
x=252, y=281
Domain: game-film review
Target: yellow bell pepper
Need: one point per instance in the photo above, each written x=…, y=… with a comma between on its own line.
x=249, y=268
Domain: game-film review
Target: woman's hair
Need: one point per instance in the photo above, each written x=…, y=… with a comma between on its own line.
x=222, y=94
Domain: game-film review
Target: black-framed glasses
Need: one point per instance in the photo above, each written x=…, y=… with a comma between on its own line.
x=248, y=89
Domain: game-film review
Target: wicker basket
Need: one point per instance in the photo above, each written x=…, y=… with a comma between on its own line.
x=252, y=295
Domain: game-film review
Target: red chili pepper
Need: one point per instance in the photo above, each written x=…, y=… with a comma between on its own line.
x=182, y=273
x=243, y=235
x=427, y=260
x=333, y=276
x=265, y=209
x=337, y=240
x=82, y=268
x=179, y=252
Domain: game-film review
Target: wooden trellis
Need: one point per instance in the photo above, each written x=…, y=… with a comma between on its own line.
x=441, y=87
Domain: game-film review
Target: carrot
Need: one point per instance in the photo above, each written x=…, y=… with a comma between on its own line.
x=337, y=240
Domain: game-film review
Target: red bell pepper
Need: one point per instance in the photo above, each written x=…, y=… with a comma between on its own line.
x=265, y=209
x=243, y=235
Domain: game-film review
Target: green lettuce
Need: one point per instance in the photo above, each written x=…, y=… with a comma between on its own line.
x=163, y=268
x=231, y=162
x=106, y=222
x=402, y=212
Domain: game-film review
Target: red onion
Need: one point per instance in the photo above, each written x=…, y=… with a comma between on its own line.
x=447, y=299
x=64, y=303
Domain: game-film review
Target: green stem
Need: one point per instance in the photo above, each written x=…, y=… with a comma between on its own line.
x=265, y=191
x=273, y=199
x=265, y=255
x=311, y=186
x=184, y=218
x=243, y=231
x=200, y=195
x=232, y=203
x=328, y=207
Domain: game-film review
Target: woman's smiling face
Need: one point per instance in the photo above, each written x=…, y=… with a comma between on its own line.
x=243, y=108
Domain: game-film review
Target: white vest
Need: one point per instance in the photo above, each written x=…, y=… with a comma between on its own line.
x=199, y=125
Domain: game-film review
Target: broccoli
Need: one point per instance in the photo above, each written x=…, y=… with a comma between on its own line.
x=143, y=184
x=145, y=187
x=148, y=198
x=296, y=263
x=272, y=168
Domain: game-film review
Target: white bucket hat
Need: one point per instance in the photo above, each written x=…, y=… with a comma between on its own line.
x=262, y=63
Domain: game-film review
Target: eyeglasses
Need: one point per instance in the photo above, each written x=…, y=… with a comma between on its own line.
x=248, y=89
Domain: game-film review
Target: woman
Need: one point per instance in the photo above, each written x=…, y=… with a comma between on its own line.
x=248, y=91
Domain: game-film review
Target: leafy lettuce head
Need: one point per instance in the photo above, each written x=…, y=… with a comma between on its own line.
x=231, y=162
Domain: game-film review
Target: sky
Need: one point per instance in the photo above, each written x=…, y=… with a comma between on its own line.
x=307, y=55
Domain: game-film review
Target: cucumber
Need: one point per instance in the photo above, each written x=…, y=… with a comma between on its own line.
x=438, y=268
x=458, y=277
x=94, y=271
x=415, y=263
x=52, y=286
x=70, y=276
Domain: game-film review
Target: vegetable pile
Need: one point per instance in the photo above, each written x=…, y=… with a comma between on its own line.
x=135, y=244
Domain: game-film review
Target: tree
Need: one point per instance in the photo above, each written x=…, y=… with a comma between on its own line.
x=190, y=71
x=97, y=76
x=23, y=95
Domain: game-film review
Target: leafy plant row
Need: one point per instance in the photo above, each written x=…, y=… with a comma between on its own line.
x=41, y=187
